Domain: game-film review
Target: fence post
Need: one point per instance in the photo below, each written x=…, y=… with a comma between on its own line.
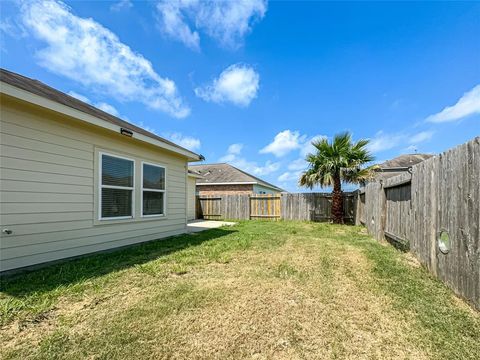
x=383, y=211
x=356, y=199
x=433, y=220
x=250, y=207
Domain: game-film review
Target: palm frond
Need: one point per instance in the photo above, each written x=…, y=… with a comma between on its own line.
x=338, y=158
x=359, y=175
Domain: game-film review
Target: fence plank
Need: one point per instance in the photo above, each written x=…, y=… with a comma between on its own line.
x=288, y=206
x=442, y=193
x=263, y=206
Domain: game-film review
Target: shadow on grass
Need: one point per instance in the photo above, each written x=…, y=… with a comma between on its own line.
x=71, y=272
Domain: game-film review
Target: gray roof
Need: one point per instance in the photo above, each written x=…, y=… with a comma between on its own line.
x=226, y=173
x=400, y=164
x=38, y=88
x=406, y=160
x=194, y=173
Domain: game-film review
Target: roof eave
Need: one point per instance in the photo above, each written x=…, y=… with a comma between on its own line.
x=230, y=183
x=243, y=183
x=38, y=100
x=394, y=169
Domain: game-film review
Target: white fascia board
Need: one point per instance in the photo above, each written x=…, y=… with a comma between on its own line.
x=242, y=183
x=38, y=100
x=195, y=176
x=230, y=183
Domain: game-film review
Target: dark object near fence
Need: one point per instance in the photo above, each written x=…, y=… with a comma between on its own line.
x=398, y=242
x=288, y=206
x=316, y=207
x=435, y=210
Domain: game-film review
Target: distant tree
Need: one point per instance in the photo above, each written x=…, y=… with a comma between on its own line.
x=332, y=163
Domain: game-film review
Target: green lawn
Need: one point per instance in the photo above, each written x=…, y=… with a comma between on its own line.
x=260, y=290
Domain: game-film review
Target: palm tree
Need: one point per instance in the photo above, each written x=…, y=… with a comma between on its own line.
x=335, y=162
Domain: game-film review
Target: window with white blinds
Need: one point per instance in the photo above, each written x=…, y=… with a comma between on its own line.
x=153, y=190
x=117, y=187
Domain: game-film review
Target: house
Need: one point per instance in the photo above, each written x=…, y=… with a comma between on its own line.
x=399, y=164
x=218, y=179
x=192, y=194
x=76, y=180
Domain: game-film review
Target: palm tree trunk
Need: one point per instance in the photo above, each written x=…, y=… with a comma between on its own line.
x=337, y=201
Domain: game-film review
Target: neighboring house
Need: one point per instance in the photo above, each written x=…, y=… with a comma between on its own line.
x=218, y=179
x=191, y=194
x=399, y=165
x=75, y=180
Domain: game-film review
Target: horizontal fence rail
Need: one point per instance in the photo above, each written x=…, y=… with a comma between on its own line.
x=265, y=207
x=288, y=206
x=315, y=206
x=434, y=210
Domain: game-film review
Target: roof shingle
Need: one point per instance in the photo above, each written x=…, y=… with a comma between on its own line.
x=225, y=173
x=38, y=88
x=397, y=165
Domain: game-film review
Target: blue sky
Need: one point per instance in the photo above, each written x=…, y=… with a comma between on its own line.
x=251, y=83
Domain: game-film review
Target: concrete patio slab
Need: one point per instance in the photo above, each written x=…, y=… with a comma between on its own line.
x=201, y=225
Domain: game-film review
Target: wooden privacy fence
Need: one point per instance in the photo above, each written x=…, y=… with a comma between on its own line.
x=288, y=206
x=435, y=210
x=265, y=207
x=316, y=206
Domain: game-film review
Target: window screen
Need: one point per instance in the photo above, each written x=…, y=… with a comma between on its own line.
x=153, y=177
x=153, y=190
x=116, y=187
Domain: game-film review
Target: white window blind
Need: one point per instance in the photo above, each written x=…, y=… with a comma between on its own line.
x=117, y=186
x=153, y=190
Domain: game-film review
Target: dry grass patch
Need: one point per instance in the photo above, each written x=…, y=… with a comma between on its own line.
x=261, y=290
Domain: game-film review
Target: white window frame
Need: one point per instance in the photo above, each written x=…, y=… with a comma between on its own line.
x=164, y=191
x=101, y=186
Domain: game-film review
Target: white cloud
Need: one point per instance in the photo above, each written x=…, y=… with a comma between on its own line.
x=232, y=152
x=235, y=149
x=382, y=142
x=289, y=176
x=284, y=142
x=299, y=164
x=233, y=157
x=408, y=149
x=185, y=141
x=85, y=51
x=171, y=22
x=111, y=110
x=107, y=108
x=145, y=127
x=225, y=21
x=100, y=105
x=237, y=84
x=254, y=168
x=7, y=27
x=79, y=97
x=121, y=5
x=420, y=137
x=468, y=104
x=308, y=148
x=227, y=158
x=12, y=27
x=416, y=139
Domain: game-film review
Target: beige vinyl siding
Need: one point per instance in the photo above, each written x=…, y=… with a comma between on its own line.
x=191, y=198
x=49, y=188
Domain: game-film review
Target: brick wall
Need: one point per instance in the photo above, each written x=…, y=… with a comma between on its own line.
x=224, y=189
